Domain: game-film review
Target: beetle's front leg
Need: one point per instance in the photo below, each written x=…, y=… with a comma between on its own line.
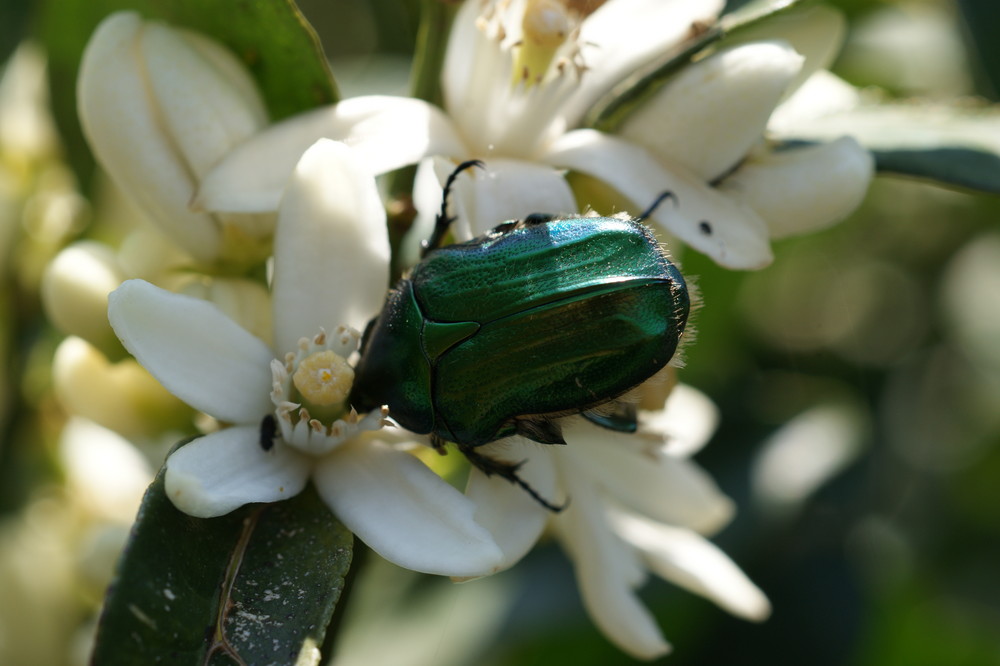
x=490, y=466
x=438, y=444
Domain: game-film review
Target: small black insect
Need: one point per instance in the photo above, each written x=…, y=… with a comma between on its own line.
x=268, y=431
x=705, y=228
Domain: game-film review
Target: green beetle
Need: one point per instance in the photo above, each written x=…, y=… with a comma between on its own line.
x=537, y=319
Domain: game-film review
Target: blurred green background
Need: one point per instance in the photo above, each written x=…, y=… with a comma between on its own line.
x=858, y=379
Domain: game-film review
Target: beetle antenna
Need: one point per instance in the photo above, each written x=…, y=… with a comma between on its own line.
x=508, y=471
x=663, y=196
x=442, y=222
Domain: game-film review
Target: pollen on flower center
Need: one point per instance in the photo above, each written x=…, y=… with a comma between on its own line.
x=324, y=378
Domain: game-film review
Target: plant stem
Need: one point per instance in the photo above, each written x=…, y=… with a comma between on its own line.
x=425, y=83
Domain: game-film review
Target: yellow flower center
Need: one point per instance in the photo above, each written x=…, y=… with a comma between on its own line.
x=546, y=26
x=323, y=379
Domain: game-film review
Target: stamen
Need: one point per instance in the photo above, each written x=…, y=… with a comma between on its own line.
x=318, y=376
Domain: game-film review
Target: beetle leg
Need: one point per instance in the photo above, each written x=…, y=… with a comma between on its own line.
x=508, y=471
x=443, y=221
x=438, y=444
x=616, y=415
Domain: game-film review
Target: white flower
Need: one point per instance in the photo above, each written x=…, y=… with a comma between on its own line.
x=330, y=271
x=636, y=504
x=159, y=107
x=519, y=77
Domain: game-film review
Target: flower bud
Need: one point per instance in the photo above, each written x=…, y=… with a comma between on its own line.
x=75, y=288
x=105, y=474
x=121, y=396
x=159, y=107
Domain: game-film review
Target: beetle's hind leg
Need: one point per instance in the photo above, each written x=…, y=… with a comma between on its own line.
x=490, y=466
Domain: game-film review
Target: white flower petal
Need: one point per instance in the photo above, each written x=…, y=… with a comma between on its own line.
x=687, y=559
x=405, y=512
x=710, y=115
x=824, y=94
x=203, y=112
x=123, y=129
x=503, y=190
x=668, y=489
x=387, y=132
x=510, y=514
x=816, y=32
x=709, y=221
x=220, y=472
x=605, y=570
x=331, y=247
x=804, y=189
x=195, y=351
x=625, y=34
x=475, y=80
x=686, y=422
x=231, y=69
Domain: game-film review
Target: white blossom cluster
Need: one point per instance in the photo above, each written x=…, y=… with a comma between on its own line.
x=178, y=124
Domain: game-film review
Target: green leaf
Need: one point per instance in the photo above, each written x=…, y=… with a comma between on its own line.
x=961, y=167
x=13, y=21
x=257, y=586
x=953, y=145
x=609, y=112
x=979, y=25
x=271, y=36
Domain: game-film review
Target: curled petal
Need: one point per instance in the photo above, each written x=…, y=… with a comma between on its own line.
x=687, y=559
x=220, y=472
x=606, y=570
x=709, y=221
x=387, y=132
x=667, y=489
x=803, y=189
x=194, y=350
x=510, y=514
x=331, y=247
x=710, y=115
x=686, y=422
x=405, y=512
